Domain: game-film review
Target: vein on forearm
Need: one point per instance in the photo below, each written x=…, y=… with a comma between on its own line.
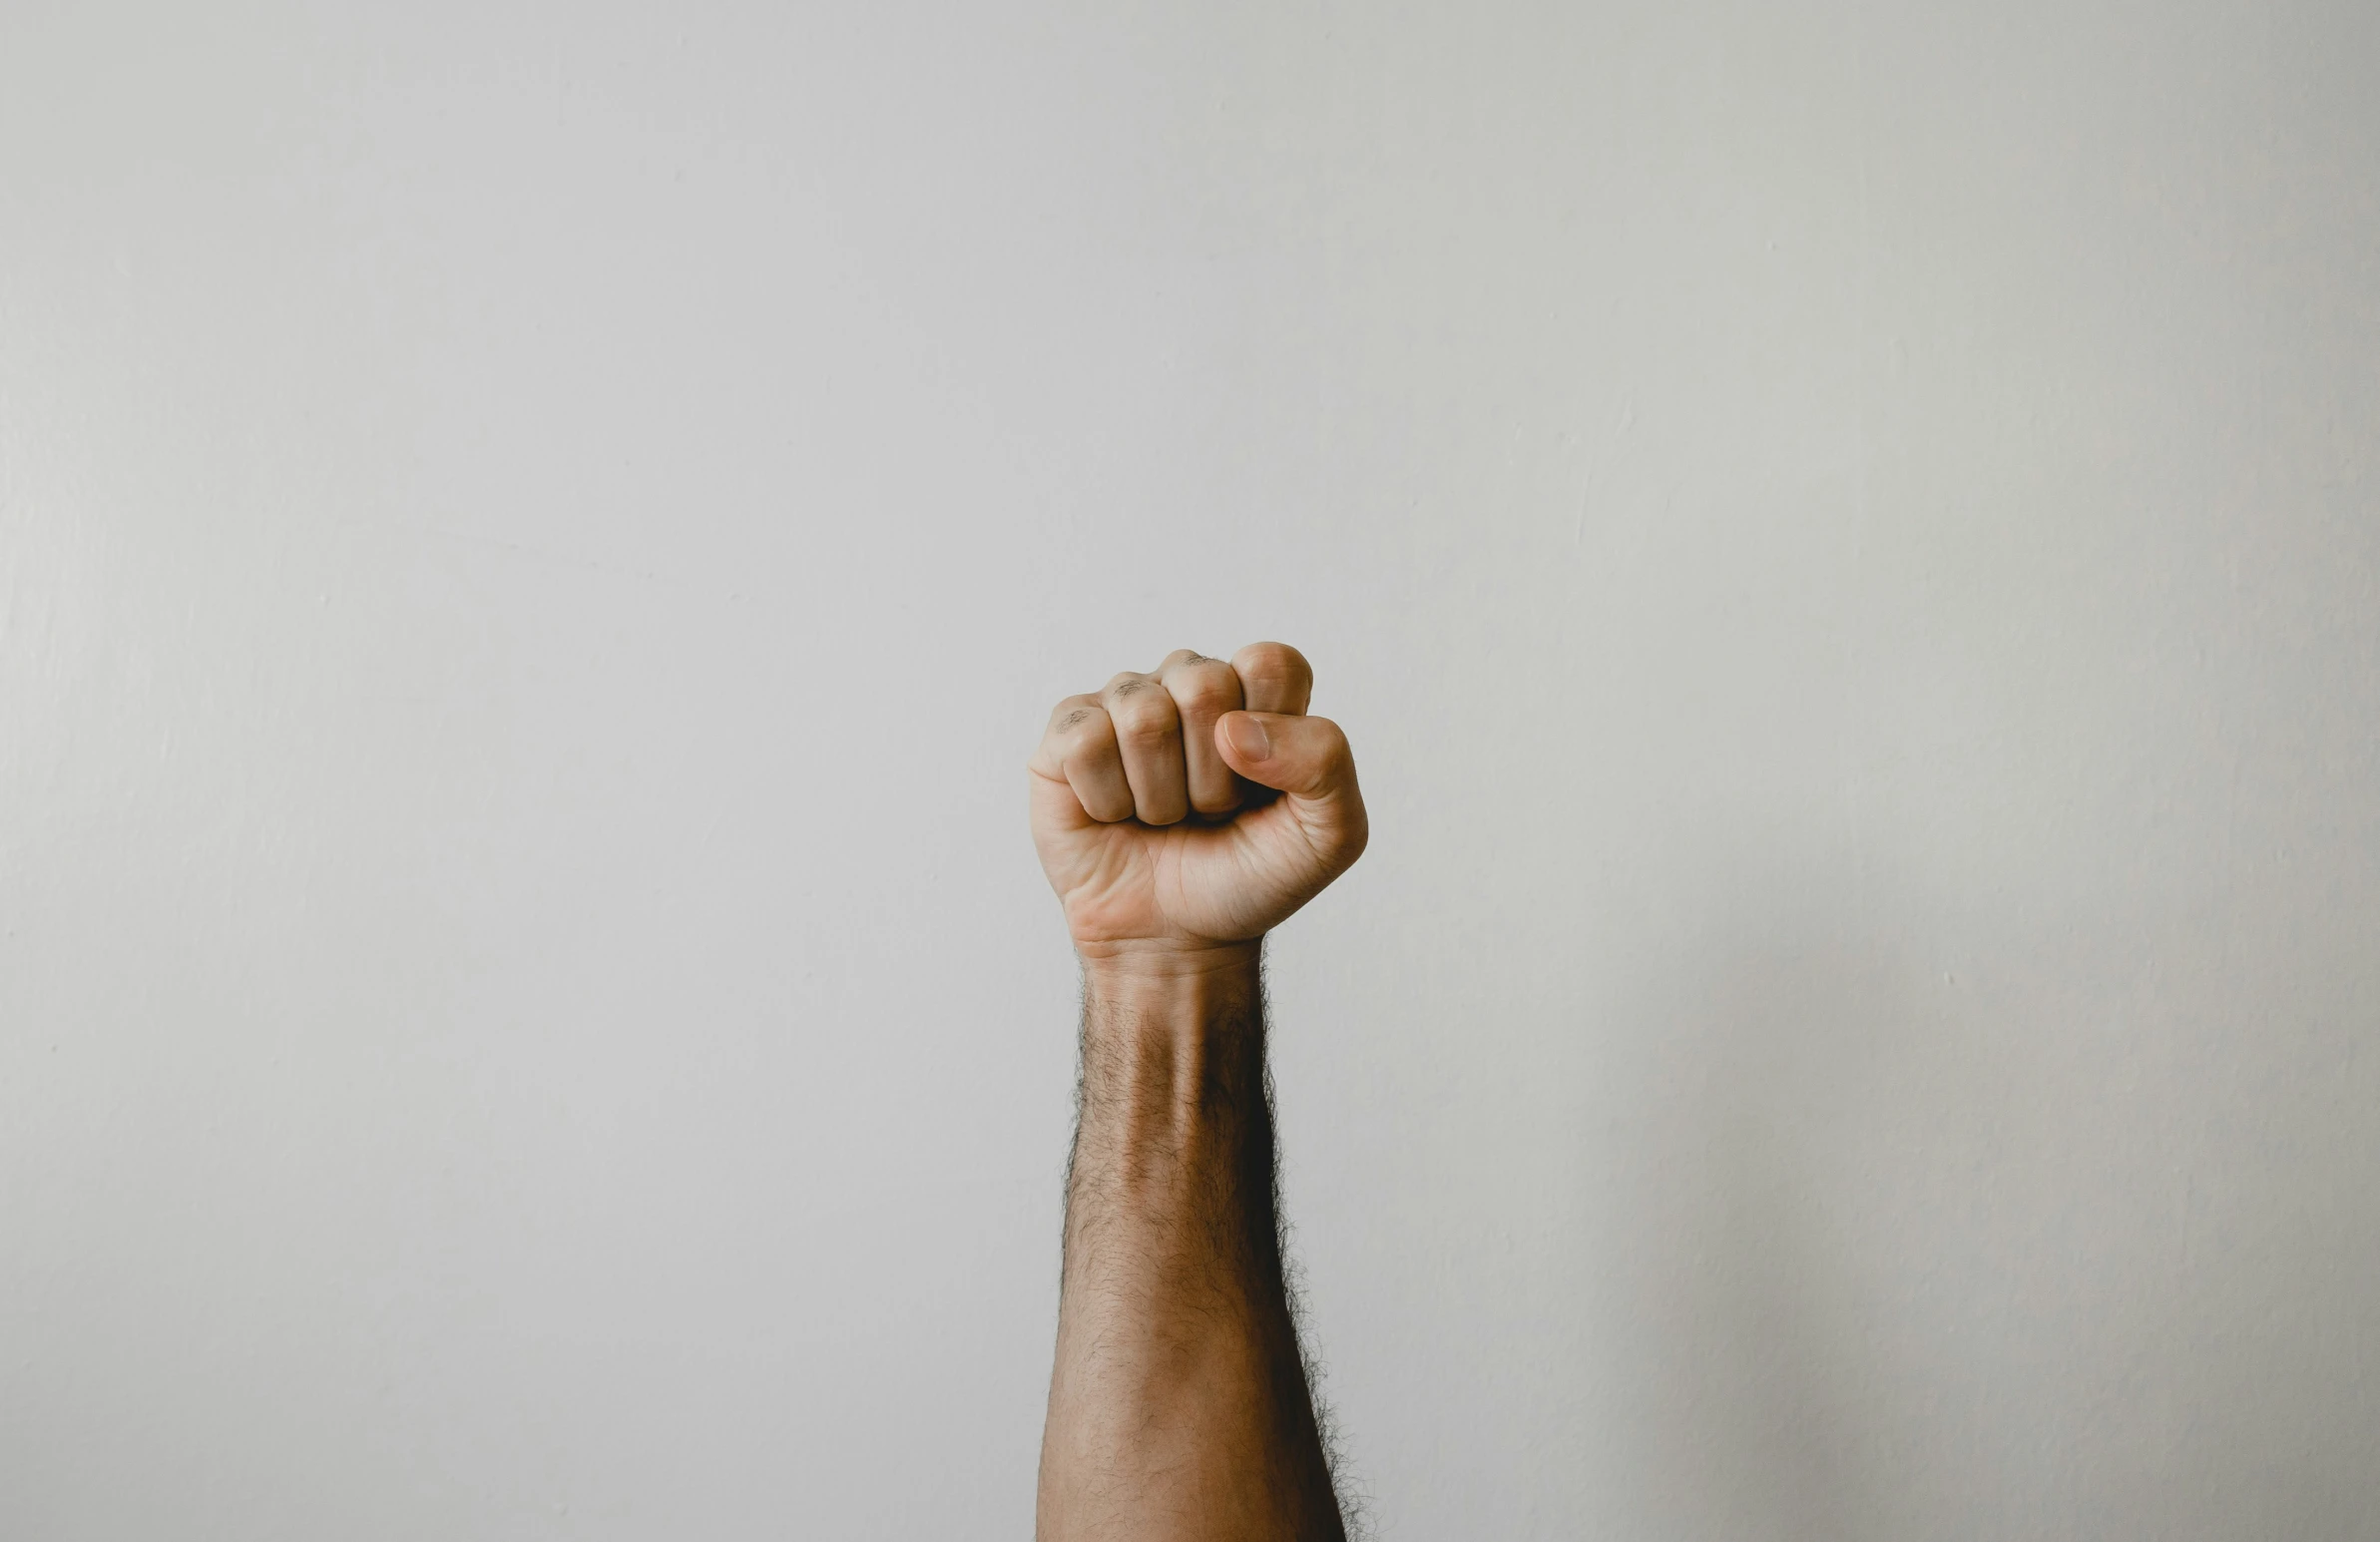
x=1174, y=1155
x=1175, y=1303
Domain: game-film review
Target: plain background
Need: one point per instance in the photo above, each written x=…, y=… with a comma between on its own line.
x=537, y=541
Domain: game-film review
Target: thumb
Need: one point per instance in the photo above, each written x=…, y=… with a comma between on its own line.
x=1307, y=758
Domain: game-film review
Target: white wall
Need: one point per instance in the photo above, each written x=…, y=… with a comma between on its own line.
x=534, y=544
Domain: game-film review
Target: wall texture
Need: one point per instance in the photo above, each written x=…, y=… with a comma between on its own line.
x=534, y=542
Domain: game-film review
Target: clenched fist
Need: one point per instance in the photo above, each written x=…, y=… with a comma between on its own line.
x=1195, y=806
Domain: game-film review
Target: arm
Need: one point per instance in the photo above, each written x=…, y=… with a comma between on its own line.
x=1180, y=1403
x=1177, y=838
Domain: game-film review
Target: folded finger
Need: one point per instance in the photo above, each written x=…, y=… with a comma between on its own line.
x=1273, y=677
x=1148, y=735
x=1203, y=690
x=1080, y=749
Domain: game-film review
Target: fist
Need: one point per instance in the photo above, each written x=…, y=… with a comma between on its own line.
x=1195, y=806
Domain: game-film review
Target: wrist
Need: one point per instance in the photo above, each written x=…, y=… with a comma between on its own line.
x=1172, y=1042
x=1151, y=979
x=1160, y=959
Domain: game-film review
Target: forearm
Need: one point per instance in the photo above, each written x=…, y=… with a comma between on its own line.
x=1179, y=1405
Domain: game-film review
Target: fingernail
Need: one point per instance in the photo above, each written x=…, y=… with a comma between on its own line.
x=1248, y=737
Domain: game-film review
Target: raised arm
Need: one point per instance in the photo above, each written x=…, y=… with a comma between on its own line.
x=1181, y=816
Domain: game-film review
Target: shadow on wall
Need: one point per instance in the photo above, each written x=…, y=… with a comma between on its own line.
x=1961, y=1225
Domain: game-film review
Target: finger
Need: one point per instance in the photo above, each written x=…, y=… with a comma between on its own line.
x=1203, y=689
x=1079, y=748
x=1307, y=758
x=1273, y=677
x=1148, y=733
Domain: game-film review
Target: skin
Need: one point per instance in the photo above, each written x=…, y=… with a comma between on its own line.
x=1182, y=814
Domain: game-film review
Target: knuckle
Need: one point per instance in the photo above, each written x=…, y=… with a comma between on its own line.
x=1205, y=686
x=1142, y=714
x=1273, y=663
x=1073, y=713
x=1331, y=744
x=1144, y=728
x=1081, y=735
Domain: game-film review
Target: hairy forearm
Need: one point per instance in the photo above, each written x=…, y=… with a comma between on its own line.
x=1179, y=1405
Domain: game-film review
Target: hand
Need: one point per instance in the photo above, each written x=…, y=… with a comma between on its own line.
x=1156, y=845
